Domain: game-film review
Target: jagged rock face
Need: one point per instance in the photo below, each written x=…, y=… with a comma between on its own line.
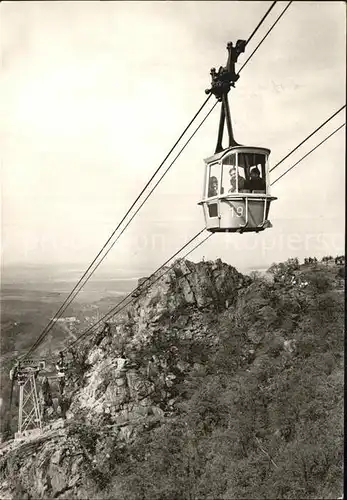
x=56, y=465
x=187, y=284
x=130, y=375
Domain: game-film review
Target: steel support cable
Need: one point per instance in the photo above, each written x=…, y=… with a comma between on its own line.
x=308, y=137
x=141, y=287
x=48, y=328
x=305, y=156
x=200, y=243
x=115, y=310
x=65, y=305
x=261, y=22
x=266, y=35
x=113, y=313
x=154, y=187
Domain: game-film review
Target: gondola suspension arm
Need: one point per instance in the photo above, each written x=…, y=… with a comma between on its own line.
x=222, y=81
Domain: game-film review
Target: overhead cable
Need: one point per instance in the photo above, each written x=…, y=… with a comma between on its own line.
x=311, y=151
x=77, y=287
x=141, y=287
x=115, y=310
x=65, y=305
x=308, y=137
x=266, y=35
x=261, y=22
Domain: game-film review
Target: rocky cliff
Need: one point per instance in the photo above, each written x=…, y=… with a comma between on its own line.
x=134, y=379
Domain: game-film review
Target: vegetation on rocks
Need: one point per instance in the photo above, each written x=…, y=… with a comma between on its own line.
x=236, y=392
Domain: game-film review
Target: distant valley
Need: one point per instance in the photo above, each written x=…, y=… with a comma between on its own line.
x=31, y=296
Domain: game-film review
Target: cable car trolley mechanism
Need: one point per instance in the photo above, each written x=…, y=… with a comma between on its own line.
x=236, y=196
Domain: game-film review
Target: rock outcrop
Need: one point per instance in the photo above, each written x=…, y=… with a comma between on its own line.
x=124, y=380
x=208, y=384
x=133, y=370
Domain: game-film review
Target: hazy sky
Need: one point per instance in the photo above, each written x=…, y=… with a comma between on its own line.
x=94, y=94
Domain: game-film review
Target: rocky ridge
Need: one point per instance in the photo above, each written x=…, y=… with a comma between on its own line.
x=124, y=381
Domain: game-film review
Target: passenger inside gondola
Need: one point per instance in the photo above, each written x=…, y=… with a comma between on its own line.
x=256, y=183
x=254, y=166
x=213, y=186
x=240, y=184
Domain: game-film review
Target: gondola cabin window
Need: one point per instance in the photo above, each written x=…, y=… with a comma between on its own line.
x=233, y=178
x=213, y=180
x=253, y=168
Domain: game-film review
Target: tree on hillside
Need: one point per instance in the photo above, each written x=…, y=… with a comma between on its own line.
x=283, y=271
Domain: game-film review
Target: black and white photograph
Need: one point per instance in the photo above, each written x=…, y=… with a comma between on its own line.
x=173, y=213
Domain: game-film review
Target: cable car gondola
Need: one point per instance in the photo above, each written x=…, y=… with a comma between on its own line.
x=236, y=195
